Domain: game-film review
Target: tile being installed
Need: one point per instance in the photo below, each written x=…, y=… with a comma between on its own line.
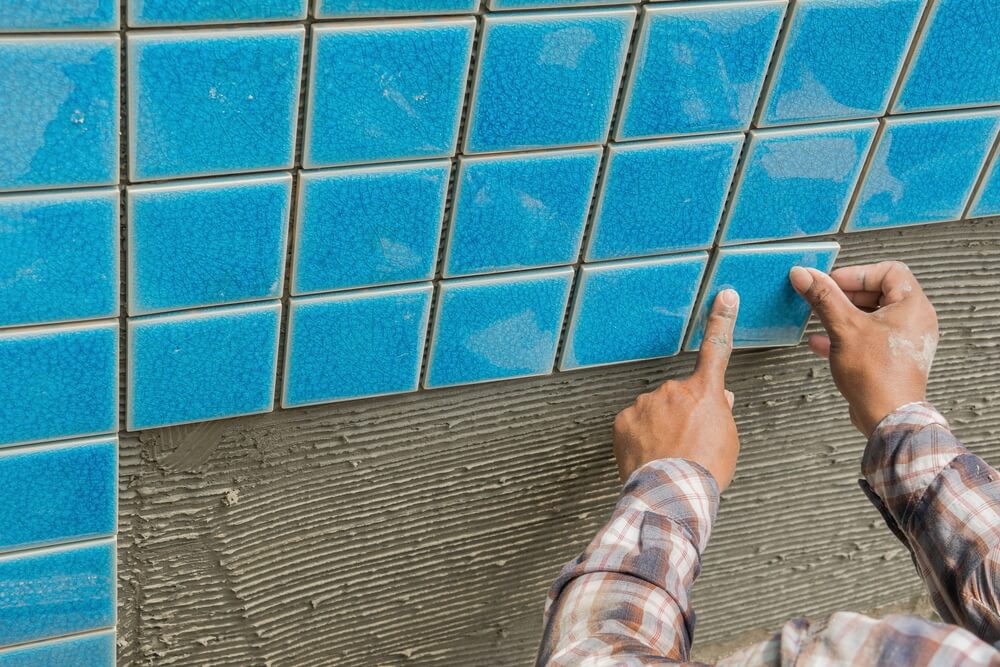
x=148, y=13
x=698, y=67
x=56, y=15
x=662, y=196
x=202, y=364
x=329, y=9
x=206, y=102
x=771, y=312
x=547, y=78
x=355, y=344
x=59, y=111
x=520, y=211
x=58, y=256
x=840, y=59
x=797, y=182
x=497, y=327
x=987, y=200
x=89, y=650
x=924, y=169
x=58, y=382
x=631, y=310
x=368, y=226
x=207, y=242
x=387, y=90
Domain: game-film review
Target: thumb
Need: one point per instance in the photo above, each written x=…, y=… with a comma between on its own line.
x=828, y=301
x=717, y=344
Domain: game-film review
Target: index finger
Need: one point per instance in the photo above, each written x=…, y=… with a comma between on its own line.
x=891, y=282
x=717, y=344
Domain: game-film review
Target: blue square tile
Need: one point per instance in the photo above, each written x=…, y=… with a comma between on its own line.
x=52, y=15
x=797, y=182
x=368, y=226
x=143, y=13
x=987, y=200
x=547, y=78
x=662, y=196
x=58, y=382
x=552, y=4
x=386, y=91
x=497, y=327
x=201, y=364
x=924, y=169
x=59, y=111
x=89, y=650
x=636, y=309
x=840, y=59
x=58, y=256
x=520, y=211
x=956, y=59
x=698, y=67
x=771, y=312
x=208, y=102
x=207, y=242
x=356, y=344
x=360, y=8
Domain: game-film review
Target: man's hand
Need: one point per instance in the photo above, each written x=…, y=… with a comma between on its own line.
x=692, y=418
x=883, y=333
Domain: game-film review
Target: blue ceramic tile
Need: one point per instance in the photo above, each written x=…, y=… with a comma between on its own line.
x=58, y=111
x=987, y=201
x=797, y=182
x=771, y=312
x=356, y=344
x=547, y=79
x=207, y=242
x=662, y=196
x=924, y=169
x=368, y=226
x=957, y=58
x=386, y=91
x=497, y=327
x=698, y=67
x=58, y=493
x=636, y=309
x=212, y=101
x=50, y=15
x=551, y=4
x=520, y=211
x=201, y=364
x=840, y=59
x=58, y=382
x=186, y=12
x=90, y=650
x=356, y=8
x=58, y=256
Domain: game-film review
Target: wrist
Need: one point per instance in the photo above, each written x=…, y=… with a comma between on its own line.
x=873, y=413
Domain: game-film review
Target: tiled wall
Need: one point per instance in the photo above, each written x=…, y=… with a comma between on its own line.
x=406, y=193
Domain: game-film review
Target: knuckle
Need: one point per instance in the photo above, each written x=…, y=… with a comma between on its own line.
x=819, y=293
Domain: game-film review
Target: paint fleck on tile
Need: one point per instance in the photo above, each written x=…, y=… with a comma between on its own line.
x=57, y=15
x=147, y=13
x=360, y=8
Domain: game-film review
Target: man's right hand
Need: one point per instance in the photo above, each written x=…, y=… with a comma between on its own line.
x=882, y=335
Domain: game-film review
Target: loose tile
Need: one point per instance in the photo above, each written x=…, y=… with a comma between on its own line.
x=642, y=211
x=698, y=67
x=368, y=226
x=771, y=312
x=89, y=650
x=636, y=309
x=987, y=201
x=924, y=169
x=496, y=327
x=386, y=90
x=797, y=182
x=552, y=4
x=206, y=102
x=144, y=13
x=54, y=15
x=363, y=8
x=547, y=79
x=520, y=211
x=59, y=111
x=356, y=344
x=202, y=364
x=207, y=242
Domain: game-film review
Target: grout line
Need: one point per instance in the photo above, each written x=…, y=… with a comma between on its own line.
x=774, y=61
x=863, y=175
x=908, y=60
x=992, y=156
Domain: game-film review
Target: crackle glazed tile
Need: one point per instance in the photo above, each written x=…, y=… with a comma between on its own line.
x=797, y=182
x=95, y=649
x=57, y=15
x=987, y=201
x=58, y=256
x=207, y=242
x=201, y=364
x=387, y=90
x=520, y=211
x=698, y=67
x=547, y=78
x=58, y=382
x=552, y=4
x=367, y=226
x=662, y=196
x=365, y=8
x=771, y=312
x=497, y=327
x=631, y=310
x=840, y=59
x=59, y=111
x=356, y=344
x=146, y=13
x=206, y=102
x=957, y=58
x=924, y=169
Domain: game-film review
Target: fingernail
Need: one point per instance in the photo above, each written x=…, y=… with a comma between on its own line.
x=800, y=279
x=729, y=297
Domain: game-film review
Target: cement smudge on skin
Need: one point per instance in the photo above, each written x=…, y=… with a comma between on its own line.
x=923, y=355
